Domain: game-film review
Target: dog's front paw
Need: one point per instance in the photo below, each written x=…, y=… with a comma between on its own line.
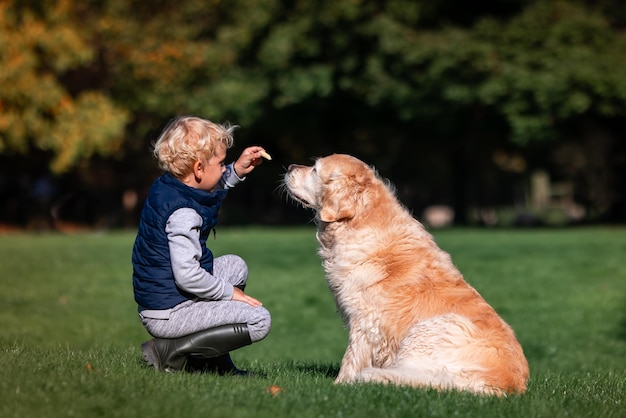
x=372, y=374
x=344, y=378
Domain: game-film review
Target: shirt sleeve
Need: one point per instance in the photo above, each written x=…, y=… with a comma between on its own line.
x=183, y=235
x=229, y=179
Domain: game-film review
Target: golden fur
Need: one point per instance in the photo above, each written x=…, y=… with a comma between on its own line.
x=412, y=318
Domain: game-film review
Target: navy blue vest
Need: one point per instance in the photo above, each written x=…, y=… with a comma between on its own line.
x=153, y=280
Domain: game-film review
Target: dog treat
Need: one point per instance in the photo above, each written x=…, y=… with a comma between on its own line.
x=266, y=155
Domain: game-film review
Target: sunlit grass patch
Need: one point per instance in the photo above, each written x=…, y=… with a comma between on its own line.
x=70, y=336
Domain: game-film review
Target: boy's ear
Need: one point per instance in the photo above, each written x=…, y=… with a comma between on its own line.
x=198, y=168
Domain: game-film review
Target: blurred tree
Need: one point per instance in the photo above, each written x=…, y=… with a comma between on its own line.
x=39, y=46
x=539, y=75
x=426, y=90
x=386, y=79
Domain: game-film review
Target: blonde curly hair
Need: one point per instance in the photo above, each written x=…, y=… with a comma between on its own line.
x=186, y=139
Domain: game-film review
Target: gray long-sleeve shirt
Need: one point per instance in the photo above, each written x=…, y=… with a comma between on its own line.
x=183, y=235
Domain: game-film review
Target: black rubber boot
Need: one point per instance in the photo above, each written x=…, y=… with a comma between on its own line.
x=171, y=354
x=222, y=365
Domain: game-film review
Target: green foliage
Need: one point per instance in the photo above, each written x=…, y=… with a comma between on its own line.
x=36, y=108
x=381, y=80
x=69, y=341
x=554, y=62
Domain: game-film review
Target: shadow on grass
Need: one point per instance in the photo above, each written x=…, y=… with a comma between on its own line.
x=325, y=370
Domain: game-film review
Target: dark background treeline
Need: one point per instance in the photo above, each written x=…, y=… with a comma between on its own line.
x=502, y=112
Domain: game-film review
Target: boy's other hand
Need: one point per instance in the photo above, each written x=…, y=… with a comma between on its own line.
x=242, y=297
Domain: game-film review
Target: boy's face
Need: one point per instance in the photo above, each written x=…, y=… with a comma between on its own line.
x=210, y=171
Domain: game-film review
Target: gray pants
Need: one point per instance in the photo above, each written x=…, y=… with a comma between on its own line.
x=197, y=315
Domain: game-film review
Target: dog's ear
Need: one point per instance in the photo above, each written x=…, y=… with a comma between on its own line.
x=338, y=203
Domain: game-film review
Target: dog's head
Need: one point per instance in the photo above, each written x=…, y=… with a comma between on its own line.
x=333, y=186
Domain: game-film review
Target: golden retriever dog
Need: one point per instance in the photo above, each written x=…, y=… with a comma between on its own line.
x=412, y=318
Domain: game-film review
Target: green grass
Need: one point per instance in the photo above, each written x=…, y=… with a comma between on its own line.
x=70, y=336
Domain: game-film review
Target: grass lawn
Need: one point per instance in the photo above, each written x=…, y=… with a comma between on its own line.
x=70, y=336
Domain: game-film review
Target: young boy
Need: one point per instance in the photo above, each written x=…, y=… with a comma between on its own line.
x=193, y=304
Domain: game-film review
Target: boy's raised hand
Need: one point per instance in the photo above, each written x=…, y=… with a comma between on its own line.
x=249, y=159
